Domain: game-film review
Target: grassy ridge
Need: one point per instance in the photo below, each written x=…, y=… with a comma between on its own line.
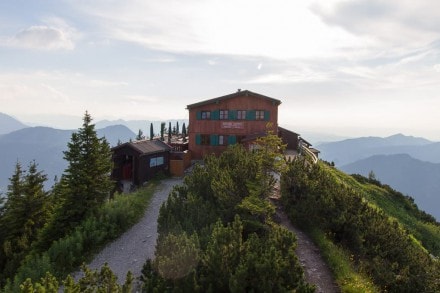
x=402, y=208
x=368, y=232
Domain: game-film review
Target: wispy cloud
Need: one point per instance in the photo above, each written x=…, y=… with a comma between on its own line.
x=41, y=37
x=52, y=33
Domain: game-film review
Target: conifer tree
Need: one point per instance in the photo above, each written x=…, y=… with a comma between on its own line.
x=140, y=135
x=151, y=131
x=177, y=128
x=26, y=211
x=162, y=131
x=169, y=132
x=86, y=182
x=184, y=132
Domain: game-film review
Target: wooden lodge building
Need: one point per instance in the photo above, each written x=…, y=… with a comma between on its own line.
x=241, y=117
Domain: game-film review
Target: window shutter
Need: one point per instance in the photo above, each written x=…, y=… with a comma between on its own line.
x=232, y=139
x=232, y=114
x=199, y=115
x=250, y=115
x=198, y=139
x=214, y=139
x=267, y=115
x=215, y=115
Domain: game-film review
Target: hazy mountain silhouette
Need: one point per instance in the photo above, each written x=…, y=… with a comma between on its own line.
x=351, y=150
x=9, y=124
x=419, y=179
x=45, y=145
x=144, y=125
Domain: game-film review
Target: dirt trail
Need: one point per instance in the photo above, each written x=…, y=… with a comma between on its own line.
x=315, y=269
x=130, y=251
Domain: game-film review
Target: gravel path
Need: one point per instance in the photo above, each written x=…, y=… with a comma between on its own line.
x=315, y=269
x=130, y=251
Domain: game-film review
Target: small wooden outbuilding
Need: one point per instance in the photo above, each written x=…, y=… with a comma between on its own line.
x=139, y=161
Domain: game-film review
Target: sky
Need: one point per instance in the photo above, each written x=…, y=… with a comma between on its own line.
x=349, y=68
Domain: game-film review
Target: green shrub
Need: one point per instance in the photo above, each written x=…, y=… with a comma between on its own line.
x=68, y=253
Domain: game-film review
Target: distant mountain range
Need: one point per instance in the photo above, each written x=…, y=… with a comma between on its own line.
x=408, y=164
x=45, y=145
x=144, y=125
x=419, y=179
x=9, y=124
x=350, y=150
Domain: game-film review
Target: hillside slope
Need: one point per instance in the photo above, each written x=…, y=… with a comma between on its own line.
x=417, y=178
x=383, y=234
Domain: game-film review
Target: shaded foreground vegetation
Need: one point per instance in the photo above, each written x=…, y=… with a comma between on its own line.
x=378, y=232
x=216, y=232
x=56, y=231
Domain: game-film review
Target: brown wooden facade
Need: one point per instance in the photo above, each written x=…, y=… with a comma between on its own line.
x=216, y=123
x=139, y=161
x=290, y=138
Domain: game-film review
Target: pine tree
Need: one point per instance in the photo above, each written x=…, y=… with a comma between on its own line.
x=184, y=132
x=177, y=128
x=26, y=211
x=86, y=182
x=37, y=201
x=169, y=132
x=151, y=131
x=140, y=135
x=162, y=131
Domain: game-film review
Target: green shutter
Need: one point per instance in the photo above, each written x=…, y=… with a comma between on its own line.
x=198, y=139
x=199, y=115
x=232, y=139
x=215, y=115
x=232, y=114
x=250, y=115
x=214, y=139
x=266, y=115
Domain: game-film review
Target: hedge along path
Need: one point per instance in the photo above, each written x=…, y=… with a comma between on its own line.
x=315, y=269
x=130, y=251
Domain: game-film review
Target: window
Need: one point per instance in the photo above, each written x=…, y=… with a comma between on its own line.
x=156, y=161
x=259, y=115
x=205, y=139
x=206, y=115
x=241, y=114
x=224, y=115
x=222, y=140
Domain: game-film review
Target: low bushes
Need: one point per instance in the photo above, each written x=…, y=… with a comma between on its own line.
x=68, y=253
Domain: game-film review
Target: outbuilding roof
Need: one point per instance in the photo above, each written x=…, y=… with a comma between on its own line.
x=144, y=147
x=234, y=95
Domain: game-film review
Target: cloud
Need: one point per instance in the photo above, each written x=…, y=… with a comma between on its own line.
x=392, y=25
x=43, y=38
x=282, y=29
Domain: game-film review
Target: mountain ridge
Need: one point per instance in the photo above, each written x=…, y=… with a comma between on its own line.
x=411, y=176
x=9, y=124
x=351, y=150
x=45, y=145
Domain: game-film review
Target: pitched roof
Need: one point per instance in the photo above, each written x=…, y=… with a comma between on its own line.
x=144, y=147
x=282, y=129
x=234, y=95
